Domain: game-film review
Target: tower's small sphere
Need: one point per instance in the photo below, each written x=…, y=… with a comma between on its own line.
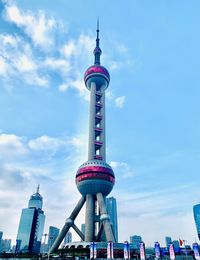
x=97, y=74
x=95, y=176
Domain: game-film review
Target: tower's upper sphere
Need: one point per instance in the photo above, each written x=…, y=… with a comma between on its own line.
x=97, y=74
x=95, y=176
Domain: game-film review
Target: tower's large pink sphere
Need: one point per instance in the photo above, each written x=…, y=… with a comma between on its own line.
x=95, y=176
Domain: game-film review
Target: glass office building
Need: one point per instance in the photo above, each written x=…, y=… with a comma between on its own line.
x=111, y=206
x=68, y=238
x=31, y=226
x=168, y=241
x=53, y=233
x=1, y=235
x=196, y=211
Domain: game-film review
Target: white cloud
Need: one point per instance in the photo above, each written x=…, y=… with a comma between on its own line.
x=119, y=101
x=25, y=64
x=114, y=65
x=19, y=61
x=22, y=59
x=121, y=48
x=76, y=47
x=38, y=27
x=63, y=87
x=69, y=49
x=61, y=65
x=36, y=80
x=77, y=84
x=45, y=143
x=3, y=66
x=122, y=169
x=11, y=146
x=109, y=95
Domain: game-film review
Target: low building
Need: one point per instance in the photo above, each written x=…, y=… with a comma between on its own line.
x=135, y=241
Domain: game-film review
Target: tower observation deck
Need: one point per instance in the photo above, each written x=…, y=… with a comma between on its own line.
x=94, y=178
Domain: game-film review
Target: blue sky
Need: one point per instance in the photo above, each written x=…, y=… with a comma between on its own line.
x=151, y=49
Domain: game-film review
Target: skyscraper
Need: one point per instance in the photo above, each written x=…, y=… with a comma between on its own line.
x=1, y=235
x=111, y=206
x=196, y=211
x=168, y=241
x=176, y=244
x=95, y=178
x=83, y=229
x=31, y=225
x=68, y=238
x=53, y=233
x=6, y=245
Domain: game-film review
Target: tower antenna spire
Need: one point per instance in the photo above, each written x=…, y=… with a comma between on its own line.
x=97, y=50
x=38, y=188
x=98, y=28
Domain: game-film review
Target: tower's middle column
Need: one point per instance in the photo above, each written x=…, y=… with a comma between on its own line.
x=91, y=146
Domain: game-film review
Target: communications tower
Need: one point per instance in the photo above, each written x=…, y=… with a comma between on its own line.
x=95, y=178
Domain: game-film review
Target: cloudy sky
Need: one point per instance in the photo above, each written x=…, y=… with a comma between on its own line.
x=151, y=49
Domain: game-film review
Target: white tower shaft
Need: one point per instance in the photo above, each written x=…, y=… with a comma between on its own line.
x=96, y=147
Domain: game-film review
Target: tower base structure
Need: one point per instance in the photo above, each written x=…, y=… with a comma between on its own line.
x=99, y=250
x=101, y=220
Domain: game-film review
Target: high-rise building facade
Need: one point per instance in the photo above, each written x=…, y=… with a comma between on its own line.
x=1, y=237
x=168, y=241
x=83, y=229
x=135, y=241
x=6, y=245
x=176, y=244
x=111, y=206
x=31, y=225
x=196, y=212
x=68, y=238
x=53, y=233
x=95, y=178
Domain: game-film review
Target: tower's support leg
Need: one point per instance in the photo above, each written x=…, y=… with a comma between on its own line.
x=100, y=232
x=78, y=232
x=105, y=218
x=69, y=222
x=89, y=218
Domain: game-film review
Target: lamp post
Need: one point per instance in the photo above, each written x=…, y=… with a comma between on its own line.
x=44, y=244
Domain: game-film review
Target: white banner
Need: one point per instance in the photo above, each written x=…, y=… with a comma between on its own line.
x=95, y=250
x=172, y=252
x=110, y=252
x=91, y=250
x=142, y=251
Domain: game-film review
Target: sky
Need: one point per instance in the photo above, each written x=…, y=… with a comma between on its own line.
x=151, y=49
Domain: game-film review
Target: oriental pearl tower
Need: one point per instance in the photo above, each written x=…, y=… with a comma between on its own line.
x=94, y=178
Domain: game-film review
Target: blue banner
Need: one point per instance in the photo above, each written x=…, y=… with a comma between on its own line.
x=126, y=250
x=195, y=247
x=157, y=249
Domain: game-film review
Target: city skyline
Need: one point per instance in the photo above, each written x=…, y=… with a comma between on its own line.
x=152, y=118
